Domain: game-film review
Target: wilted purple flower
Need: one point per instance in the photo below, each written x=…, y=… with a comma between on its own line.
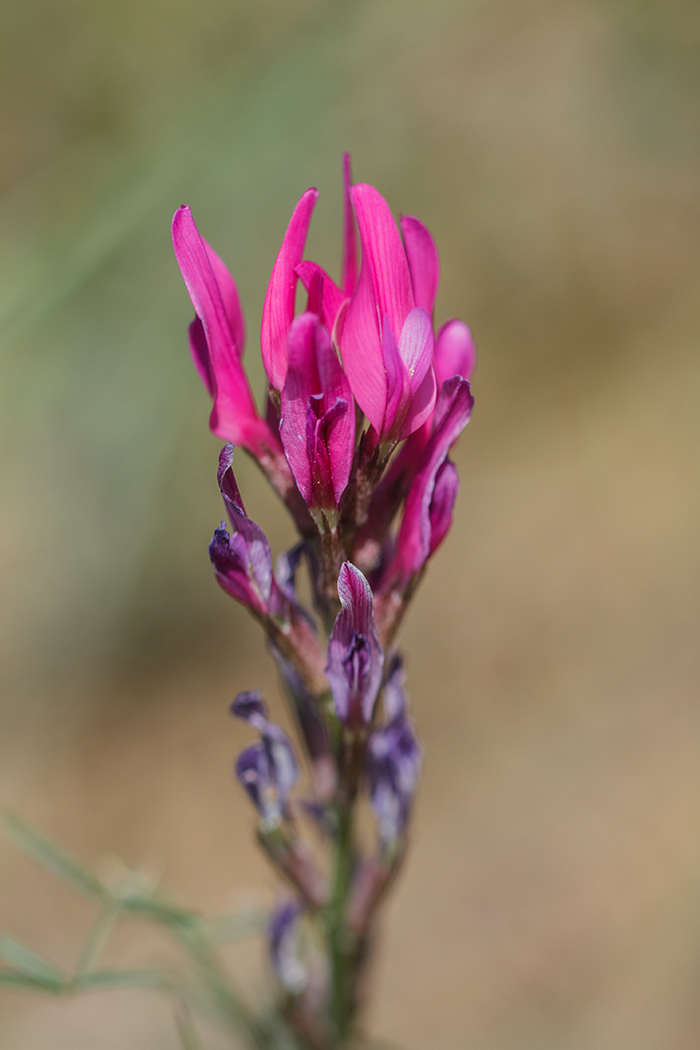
x=268, y=769
x=217, y=336
x=284, y=946
x=355, y=656
x=428, y=511
x=317, y=424
x=394, y=757
x=241, y=559
x=387, y=340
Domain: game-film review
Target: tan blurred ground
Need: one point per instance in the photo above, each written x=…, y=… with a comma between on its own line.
x=552, y=898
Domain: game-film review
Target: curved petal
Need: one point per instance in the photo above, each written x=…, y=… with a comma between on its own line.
x=423, y=261
x=278, y=311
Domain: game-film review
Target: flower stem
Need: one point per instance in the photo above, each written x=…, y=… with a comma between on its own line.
x=340, y=940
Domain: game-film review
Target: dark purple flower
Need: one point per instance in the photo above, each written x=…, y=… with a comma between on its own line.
x=317, y=424
x=428, y=510
x=241, y=559
x=394, y=757
x=284, y=946
x=268, y=769
x=355, y=656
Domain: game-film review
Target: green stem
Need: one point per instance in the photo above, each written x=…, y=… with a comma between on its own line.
x=341, y=947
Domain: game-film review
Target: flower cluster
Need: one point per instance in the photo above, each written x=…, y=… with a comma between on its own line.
x=364, y=402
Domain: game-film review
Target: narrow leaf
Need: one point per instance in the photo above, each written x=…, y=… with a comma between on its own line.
x=28, y=961
x=49, y=855
x=101, y=980
x=17, y=979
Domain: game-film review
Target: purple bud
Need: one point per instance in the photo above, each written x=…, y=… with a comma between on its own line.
x=317, y=425
x=355, y=656
x=394, y=757
x=242, y=559
x=268, y=769
x=284, y=946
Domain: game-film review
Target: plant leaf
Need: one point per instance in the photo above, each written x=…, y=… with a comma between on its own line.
x=27, y=961
x=101, y=980
x=18, y=979
x=50, y=856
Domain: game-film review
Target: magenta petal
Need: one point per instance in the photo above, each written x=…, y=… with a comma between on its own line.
x=383, y=255
x=363, y=356
x=229, y=297
x=278, y=311
x=215, y=352
x=384, y=289
x=414, y=542
x=423, y=261
x=355, y=656
x=455, y=353
x=332, y=297
x=349, y=272
x=317, y=427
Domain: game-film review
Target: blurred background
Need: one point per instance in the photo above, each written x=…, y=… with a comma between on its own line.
x=552, y=898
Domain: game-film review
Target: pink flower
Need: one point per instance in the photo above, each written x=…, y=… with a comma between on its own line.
x=217, y=335
x=387, y=339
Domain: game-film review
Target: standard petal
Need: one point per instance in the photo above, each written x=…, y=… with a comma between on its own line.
x=278, y=311
x=455, y=353
x=383, y=255
x=423, y=261
x=384, y=289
